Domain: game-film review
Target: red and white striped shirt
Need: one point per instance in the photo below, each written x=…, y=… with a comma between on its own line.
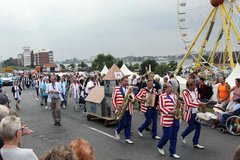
x=165, y=106
x=118, y=98
x=142, y=95
x=189, y=103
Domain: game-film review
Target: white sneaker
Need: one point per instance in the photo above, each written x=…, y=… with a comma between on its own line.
x=161, y=151
x=46, y=107
x=140, y=134
x=183, y=140
x=175, y=156
x=129, y=141
x=198, y=146
x=157, y=137
x=64, y=106
x=117, y=135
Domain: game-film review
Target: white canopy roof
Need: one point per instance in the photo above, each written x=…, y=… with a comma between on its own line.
x=125, y=70
x=181, y=80
x=235, y=74
x=104, y=70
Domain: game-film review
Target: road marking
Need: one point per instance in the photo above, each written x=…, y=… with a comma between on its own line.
x=34, y=96
x=99, y=131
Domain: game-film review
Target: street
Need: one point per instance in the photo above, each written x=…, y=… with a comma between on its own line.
x=75, y=125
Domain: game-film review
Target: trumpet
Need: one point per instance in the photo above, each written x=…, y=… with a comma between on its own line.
x=127, y=99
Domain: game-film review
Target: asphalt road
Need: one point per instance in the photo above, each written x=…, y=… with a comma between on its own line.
x=75, y=125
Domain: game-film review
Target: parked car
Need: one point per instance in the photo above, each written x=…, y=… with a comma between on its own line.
x=7, y=79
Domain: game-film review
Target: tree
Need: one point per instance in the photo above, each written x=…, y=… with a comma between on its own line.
x=120, y=63
x=72, y=66
x=162, y=69
x=63, y=67
x=9, y=62
x=82, y=65
x=102, y=60
x=145, y=65
x=134, y=67
x=172, y=65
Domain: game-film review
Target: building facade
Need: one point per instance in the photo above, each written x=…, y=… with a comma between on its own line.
x=27, y=56
x=43, y=57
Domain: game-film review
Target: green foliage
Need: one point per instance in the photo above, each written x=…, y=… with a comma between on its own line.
x=162, y=69
x=9, y=62
x=82, y=65
x=120, y=63
x=103, y=59
x=145, y=65
x=72, y=66
x=63, y=67
x=172, y=65
x=134, y=67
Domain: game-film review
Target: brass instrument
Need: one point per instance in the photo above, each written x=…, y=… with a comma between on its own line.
x=129, y=97
x=179, y=109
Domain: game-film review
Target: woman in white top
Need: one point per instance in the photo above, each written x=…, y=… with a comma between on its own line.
x=74, y=94
x=12, y=131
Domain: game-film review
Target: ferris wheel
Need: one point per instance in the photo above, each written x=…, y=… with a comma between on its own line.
x=210, y=31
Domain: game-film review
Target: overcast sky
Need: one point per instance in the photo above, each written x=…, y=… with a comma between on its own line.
x=84, y=28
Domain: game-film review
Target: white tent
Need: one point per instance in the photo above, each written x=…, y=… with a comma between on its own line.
x=104, y=70
x=181, y=80
x=235, y=74
x=125, y=70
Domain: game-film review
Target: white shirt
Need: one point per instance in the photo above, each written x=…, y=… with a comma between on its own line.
x=194, y=98
x=89, y=85
x=74, y=90
x=134, y=82
x=18, y=154
x=54, y=87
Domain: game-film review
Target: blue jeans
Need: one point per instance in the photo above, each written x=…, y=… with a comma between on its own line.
x=193, y=125
x=170, y=133
x=151, y=116
x=63, y=102
x=125, y=123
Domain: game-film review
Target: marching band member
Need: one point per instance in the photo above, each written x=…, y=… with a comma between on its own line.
x=167, y=104
x=149, y=111
x=191, y=106
x=117, y=101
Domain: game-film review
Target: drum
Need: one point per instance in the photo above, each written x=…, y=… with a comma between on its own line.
x=212, y=116
x=203, y=118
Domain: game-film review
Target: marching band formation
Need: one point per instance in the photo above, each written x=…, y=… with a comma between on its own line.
x=55, y=92
x=172, y=109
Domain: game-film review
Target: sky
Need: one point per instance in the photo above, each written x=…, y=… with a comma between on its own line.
x=84, y=28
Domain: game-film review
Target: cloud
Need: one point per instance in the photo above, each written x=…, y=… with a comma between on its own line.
x=83, y=28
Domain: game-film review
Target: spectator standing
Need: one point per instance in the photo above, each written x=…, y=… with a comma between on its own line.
x=11, y=131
